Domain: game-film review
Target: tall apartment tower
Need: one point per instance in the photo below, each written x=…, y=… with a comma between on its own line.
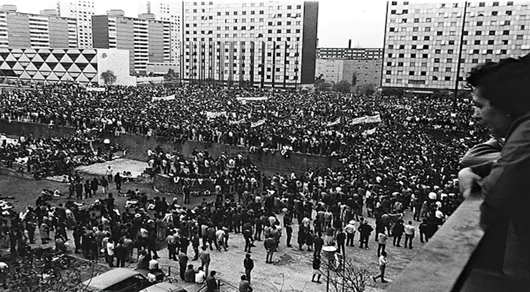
x=26, y=30
x=434, y=46
x=147, y=40
x=260, y=43
x=82, y=11
x=170, y=11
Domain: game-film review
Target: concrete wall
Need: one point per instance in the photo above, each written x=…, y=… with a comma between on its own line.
x=116, y=61
x=138, y=145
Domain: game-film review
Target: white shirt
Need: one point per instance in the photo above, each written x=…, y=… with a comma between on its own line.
x=200, y=276
x=409, y=229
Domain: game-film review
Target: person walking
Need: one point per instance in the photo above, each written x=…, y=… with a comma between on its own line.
x=365, y=230
x=397, y=232
x=183, y=263
x=341, y=240
x=350, y=233
x=409, y=234
x=204, y=256
x=381, y=240
x=316, y=269
x=248, y=263
x=270, y=246
x=117, y=180
x=383, y=261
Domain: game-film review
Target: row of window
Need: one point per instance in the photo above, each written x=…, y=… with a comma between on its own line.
x=436, y=61
x=278, y=31
x=235, y=35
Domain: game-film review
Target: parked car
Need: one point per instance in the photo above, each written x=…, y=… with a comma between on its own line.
x=127, y=280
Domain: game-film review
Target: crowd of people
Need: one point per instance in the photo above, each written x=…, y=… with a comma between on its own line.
x=407, y=161
x=54, y=156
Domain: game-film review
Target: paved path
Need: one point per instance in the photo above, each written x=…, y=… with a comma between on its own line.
x=292, y=269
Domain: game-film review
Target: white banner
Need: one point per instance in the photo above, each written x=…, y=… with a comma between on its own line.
x=335, y=122
x=368, y=132
x=252, y=98
x=237, y=122
x=213, y=115
x=366, y=120
x=258, y=123
x=170, y=97
x=95, y=89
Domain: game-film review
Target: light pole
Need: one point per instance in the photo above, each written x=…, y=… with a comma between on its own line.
x=329, y=254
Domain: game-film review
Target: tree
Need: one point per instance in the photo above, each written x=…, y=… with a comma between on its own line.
x=170, y=75
x=354, y=79
x=346, y=275
x=44, y=271
x=109, y=77
x=366, y=89
x=342, y=86
x=322, y=85
x=397, y=92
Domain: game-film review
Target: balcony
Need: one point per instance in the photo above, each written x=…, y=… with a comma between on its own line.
x=462, y=258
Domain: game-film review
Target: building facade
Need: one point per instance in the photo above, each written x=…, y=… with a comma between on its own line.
x=366, y=71
x=170, y=11
x=259, y=43
x=434, y=46
x=75, y=65
x=25, y=30
x=146, y=39
x=82, y=11
x=350, y=53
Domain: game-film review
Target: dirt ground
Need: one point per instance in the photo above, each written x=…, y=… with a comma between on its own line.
x=291, y=270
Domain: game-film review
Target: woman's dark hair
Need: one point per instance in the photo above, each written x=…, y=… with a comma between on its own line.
x=506, y=84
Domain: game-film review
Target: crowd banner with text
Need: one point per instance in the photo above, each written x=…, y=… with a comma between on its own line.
x=170, y=97
x=258, y=123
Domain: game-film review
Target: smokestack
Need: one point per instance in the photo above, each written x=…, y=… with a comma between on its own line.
x=349, y=44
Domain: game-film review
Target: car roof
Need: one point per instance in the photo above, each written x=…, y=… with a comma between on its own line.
x=110, y=278
x=164, y=287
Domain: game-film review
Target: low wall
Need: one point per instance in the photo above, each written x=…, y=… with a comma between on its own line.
x=137, y=147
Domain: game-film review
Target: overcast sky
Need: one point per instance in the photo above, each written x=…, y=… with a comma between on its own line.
x=362, y=21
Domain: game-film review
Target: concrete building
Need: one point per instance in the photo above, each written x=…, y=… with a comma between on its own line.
x=54, y=65
x=434, y=46
x=260, y=43
x=82, y=11
x=367, y=71
x=45, y=30
x=350, y=53
x=167, y=11
x=146, y=39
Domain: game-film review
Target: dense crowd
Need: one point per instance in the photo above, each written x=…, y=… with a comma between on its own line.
x=409, y=160
x=283, y=120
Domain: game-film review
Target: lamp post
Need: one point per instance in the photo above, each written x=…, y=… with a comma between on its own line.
x=329, y=254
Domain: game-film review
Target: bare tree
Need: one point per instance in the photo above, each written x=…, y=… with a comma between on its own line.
x=345, y=275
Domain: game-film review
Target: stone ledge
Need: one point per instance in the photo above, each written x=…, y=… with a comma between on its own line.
x=441, y=262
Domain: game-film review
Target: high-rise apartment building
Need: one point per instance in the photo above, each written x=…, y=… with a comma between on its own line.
x=350, y=53
x=82, y=11
x=26, y=30
x=357, y=71
x=434, y=46
x=261, y=43
x=148, y=40
x=167, y=11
